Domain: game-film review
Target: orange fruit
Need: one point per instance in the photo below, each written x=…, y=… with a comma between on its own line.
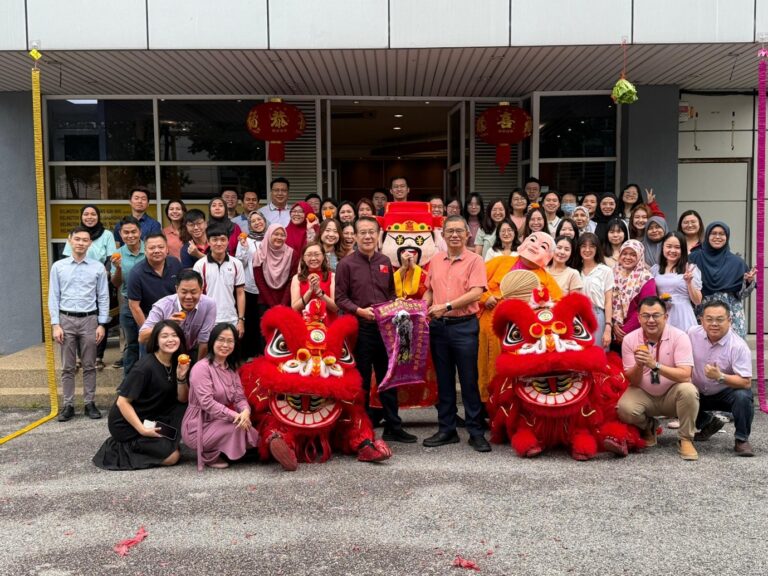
x=183, y=359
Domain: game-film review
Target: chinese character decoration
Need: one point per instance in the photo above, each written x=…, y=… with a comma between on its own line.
x=276, y=123
x=503, y=126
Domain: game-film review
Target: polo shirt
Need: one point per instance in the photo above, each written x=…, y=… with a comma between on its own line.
x=146, y=287
x=147, y=225
x=127, y=262
x=674, y=350
x=731, y=354
x=449, y=279
x=219, y=282
x=198, y=324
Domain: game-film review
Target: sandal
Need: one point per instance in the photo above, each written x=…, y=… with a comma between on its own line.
x=219, y=464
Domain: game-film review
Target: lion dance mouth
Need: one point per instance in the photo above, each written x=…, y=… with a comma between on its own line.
x=305, y=410
x=561, y=390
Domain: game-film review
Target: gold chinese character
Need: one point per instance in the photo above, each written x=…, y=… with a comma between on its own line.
x=505, y=121
x=278, y=119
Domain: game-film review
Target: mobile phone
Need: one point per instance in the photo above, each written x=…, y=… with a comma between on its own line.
x=165, y=430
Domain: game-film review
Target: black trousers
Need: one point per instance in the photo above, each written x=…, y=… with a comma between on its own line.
x=371, y=356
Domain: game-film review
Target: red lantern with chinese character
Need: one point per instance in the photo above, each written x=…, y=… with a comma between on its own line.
x=275, y=122
x=503, y=126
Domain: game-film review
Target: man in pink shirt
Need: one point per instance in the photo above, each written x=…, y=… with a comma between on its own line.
x=658, y=361
x=455, y=283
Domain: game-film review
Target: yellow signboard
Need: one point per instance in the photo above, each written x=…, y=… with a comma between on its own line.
x=64, y=217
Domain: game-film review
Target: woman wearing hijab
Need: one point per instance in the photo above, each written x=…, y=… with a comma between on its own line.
x=724, y=275
x=247, y=247
x=607, y=209
x=102, y=247
x=654, y=233
x=217, y=217
x=299, y=228
x=632, y=281
x=273, y=267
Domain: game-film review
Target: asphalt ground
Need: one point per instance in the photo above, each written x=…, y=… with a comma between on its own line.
x=650, y=513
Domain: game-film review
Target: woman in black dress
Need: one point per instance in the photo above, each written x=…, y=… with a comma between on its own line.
x=156, y=389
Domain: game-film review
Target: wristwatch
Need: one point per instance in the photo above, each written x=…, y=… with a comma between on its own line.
x=448, y=306
x=721, y=378
x=657, y=367
x=241, y=318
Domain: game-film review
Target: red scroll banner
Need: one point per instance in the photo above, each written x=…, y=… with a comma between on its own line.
x=760, y=312
x=405, y=331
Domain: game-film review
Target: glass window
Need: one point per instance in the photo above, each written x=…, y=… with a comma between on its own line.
x=578, y=177
x=577, y=127
x=207, y=130
x=100, y=130
x=98, y=182
x=204, y=182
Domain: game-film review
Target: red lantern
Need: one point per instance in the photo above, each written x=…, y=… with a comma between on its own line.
x=503, y=126
x=276, y=123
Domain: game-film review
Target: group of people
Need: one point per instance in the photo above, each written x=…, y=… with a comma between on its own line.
x=192, y=294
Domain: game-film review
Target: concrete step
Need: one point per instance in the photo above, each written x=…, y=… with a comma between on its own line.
x=24, y=380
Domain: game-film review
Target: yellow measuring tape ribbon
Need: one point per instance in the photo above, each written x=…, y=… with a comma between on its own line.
x=42, y=236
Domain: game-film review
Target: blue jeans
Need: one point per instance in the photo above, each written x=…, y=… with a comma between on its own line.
x=454, y=348
x=737, y=401
x=131, y=333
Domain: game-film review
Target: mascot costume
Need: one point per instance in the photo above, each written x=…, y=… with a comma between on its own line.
x=410, y=237
x=305, y=394
x=553, y=385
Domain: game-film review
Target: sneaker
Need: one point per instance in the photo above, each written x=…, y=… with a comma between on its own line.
x=687, y=450
x=100, y=364
x=743, y=448
x=398, y=435
x=117, y=363
x=649, y=434
x=674, y=424
x=91, y=411
x=709, y=429
x=66, y=413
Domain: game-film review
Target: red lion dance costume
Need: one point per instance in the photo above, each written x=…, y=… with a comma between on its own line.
x=553, y=386
x=305, y=392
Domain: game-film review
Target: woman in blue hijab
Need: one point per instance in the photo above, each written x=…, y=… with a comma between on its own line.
x=724, y=275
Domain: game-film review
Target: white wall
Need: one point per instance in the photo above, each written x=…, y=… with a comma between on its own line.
x=563, y=22
x=13, y=33
x=88, y=24
x=199, y=24
x=665, y=21
x=299, y=24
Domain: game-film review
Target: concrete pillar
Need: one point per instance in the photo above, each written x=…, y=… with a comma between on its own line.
x=20, y=313
x=649, y=145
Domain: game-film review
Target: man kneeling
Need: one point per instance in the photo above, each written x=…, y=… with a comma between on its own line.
x=658, y=362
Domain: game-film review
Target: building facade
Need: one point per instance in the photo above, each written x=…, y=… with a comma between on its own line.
x=156, y=92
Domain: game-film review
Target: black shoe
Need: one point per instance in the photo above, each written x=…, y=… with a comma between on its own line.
x=709, y=429
x=441, y=439
x=398, y=435
x=479, y=443
x=66, y=413
x=92, y=412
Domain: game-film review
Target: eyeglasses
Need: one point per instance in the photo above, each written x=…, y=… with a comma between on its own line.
x=454, y=231
x=653, y=317
x=229, y=341
x=196, y=224
x=718, y=320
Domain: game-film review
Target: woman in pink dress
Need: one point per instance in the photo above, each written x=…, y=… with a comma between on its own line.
x=218, y=418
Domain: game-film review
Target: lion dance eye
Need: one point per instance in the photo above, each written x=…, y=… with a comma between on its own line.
x=579, y=332
x=346, y=357
x=513, y=336
x=278, y=348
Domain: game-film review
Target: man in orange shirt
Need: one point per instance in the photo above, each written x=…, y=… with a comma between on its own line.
x=455, y=282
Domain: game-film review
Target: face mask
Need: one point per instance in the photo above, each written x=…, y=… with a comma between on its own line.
x=568, y=208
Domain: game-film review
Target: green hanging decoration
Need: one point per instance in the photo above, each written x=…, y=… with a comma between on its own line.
x=624, y=92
